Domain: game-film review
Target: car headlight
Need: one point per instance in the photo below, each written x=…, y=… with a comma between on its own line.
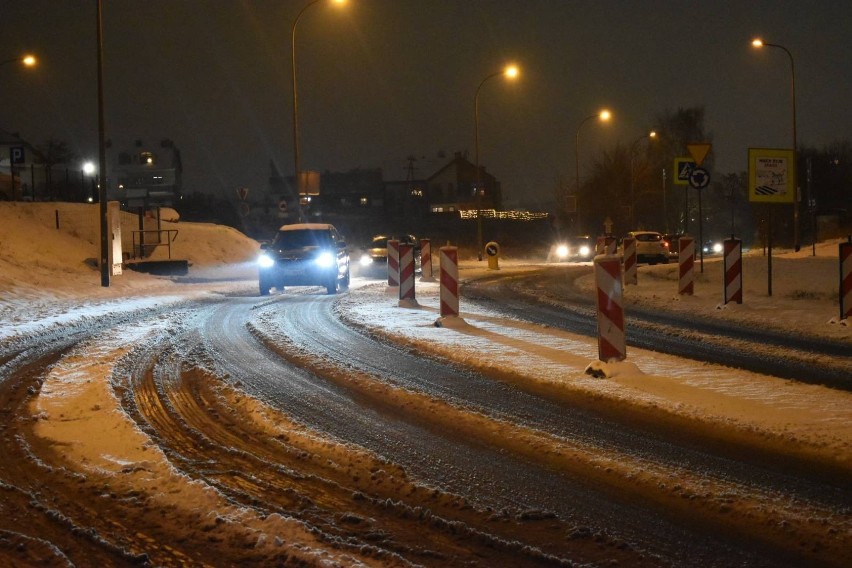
x=562, y=251
x=265, y=261
x=585, y=250
x=325, y=259
x=365, y=260
x=717, y=247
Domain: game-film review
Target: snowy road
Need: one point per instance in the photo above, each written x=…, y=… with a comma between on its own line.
x=380, y=455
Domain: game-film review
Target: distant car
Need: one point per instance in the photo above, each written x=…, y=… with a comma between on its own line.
x=304, y=254
x=650, y=247
x=713, y=247
x=579, y=248
x=373, y=259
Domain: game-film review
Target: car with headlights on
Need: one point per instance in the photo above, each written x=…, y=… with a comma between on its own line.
x=580, y=248
x=304, y=254
x=373, y=258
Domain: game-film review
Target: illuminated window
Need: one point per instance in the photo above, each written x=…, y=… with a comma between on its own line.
x=146, y=158
x=364, y=201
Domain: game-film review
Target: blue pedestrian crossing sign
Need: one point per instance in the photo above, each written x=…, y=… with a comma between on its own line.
x=683, y=167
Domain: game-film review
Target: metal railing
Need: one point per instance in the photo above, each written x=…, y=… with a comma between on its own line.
x=143, y=249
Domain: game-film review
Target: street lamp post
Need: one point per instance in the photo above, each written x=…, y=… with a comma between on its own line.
x=650, y=135
x=510, y=72
x=297, y=170
x=28, y=61
x=102, y=183
x=603, y=115
x=760, y=43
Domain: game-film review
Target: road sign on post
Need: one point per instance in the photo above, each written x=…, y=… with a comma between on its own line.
x=16, y=155
x=492, y=250
x=699, y=151
x=683, y=166
x=771, y=175
x=699, y=178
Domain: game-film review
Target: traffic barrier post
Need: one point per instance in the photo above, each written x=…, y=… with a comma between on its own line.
x=611, y=336
x=733, y=268
x=629, y=256
x=449, y=293
x=426, y=260
x=846, y=279
x=686, y=266
x=406, y=272
x=393, y=262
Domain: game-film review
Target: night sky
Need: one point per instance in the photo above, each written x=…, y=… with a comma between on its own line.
x=380, y=80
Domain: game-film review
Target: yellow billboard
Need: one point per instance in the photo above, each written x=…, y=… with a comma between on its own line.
x=771, y=175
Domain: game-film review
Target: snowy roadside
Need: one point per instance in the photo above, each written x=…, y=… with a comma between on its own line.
x=814, y=419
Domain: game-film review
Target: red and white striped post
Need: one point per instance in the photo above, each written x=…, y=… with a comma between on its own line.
x=686, y=266
x=406, y=272
x=449, y=265
x=846, y=279
x=393, y=262
x=733, y=265
x=629, y=255
x=426, y=260
x=610, y=245
x=611, y=337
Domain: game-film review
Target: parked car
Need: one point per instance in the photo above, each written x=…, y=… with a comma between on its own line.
x=373, y=258
x=304, y=254
x=579, y=248
x=650, y=247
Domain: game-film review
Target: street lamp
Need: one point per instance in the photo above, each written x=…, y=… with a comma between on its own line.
x=604, y=116
x=510, y=72
x=296, y=154
x=758, y=43
x=28, y=60
x=88, y=171
x=650, y=136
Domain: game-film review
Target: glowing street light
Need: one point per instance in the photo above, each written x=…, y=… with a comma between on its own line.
x=651, y=135
x=759, y=43
x=604, y=116
x=27, y=60
x=296, y=152
x=88, y=171
x=510, y=72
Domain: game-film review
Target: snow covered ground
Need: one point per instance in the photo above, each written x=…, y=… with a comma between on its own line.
x=46, y=281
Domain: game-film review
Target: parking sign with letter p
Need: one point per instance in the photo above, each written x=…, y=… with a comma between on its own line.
x=16, y=154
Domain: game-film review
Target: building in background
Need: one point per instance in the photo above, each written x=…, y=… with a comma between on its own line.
x=143, y=175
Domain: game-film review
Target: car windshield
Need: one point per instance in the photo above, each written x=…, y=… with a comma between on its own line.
x=301, y=238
